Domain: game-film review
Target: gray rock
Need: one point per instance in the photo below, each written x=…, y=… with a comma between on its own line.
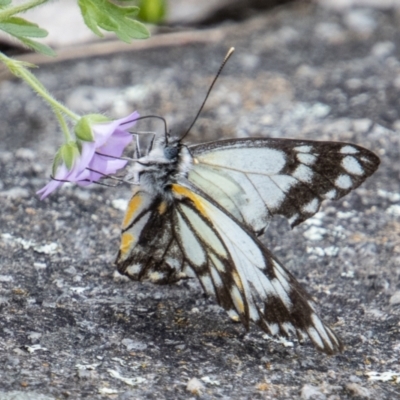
x=28, y=395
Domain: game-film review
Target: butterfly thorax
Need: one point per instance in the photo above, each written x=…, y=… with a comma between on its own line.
x=162, y=166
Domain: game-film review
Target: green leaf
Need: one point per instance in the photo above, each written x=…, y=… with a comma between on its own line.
x=38, y=47
x=24, y=30
x=56, y=162
x=108, y=24
x=4, y=3
x=18, y=27
x=152, y=11
x=89, y=17
x=114, y=18
x=69, y=152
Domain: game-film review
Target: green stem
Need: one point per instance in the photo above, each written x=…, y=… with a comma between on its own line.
x=9, y=12
x=19, y=69
x=37, y=86
x=63, y=125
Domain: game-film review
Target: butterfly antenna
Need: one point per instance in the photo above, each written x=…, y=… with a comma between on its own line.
x=153, y=116
x=227, y=57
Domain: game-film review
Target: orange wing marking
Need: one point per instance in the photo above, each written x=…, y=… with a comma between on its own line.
x=238, y=281
x=184, y=192
x=162, y=207
x=237, y=300
x=127, y=240
x=133, y=205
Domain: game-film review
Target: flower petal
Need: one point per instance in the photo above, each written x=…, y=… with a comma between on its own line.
x=97, y=158
x=103, y=131
x=61, y=174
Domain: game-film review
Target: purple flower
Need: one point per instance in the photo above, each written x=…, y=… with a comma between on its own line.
x=95, y=153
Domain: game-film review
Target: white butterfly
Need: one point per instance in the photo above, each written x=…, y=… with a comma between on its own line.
x=197, y=211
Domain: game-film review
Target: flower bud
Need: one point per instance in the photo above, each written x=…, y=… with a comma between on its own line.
x=66, y=154
x=83, y=128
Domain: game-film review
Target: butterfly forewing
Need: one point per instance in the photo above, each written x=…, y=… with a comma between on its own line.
x=255, y=179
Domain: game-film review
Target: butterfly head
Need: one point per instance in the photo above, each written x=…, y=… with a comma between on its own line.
x=160, y=167
x=171, y=149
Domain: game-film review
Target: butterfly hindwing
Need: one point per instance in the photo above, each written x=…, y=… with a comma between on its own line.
x=149, y=250
x=255, y=179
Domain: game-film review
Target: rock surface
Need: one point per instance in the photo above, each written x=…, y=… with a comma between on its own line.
x=70, y=327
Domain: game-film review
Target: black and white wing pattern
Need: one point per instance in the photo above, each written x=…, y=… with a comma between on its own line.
x=254, y=179
x=193, y=236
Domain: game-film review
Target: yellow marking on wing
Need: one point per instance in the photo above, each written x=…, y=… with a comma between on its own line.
x=127, y=240
x=237, y=280
x=196, y=161
x=237, y=299
x=156, y=276
x=162, y=207
x=184, y=192
x=235, y=318
x=133, y=205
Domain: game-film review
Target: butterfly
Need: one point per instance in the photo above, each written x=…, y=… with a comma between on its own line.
x=198, y=211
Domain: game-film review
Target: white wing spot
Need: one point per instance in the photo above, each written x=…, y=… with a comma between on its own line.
x=348, y=150
x=352, y=166
x=271, y=195
x=217, y=263
x=288, y=328
x=207, y=284
x=366, y=160
x=311, y=207
x=156, y=276
x=315, y=337
x=193, y=249
x=253, y=313
x=274, y=328
x=332, y=336
x=293, y=219
x=302, y=335
x=188, y=271
x=311, y=304
x=173, y=262
x=303, y=173
x=134, y=269
x=308, y=159
x=284, y=182
x=319, y=326
x=283, y=296
x=331, y=194
x=303, y=149
x=234, y=315
x=262, y=284
x=343, y=182
x=216, y=278
x=204, y=231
